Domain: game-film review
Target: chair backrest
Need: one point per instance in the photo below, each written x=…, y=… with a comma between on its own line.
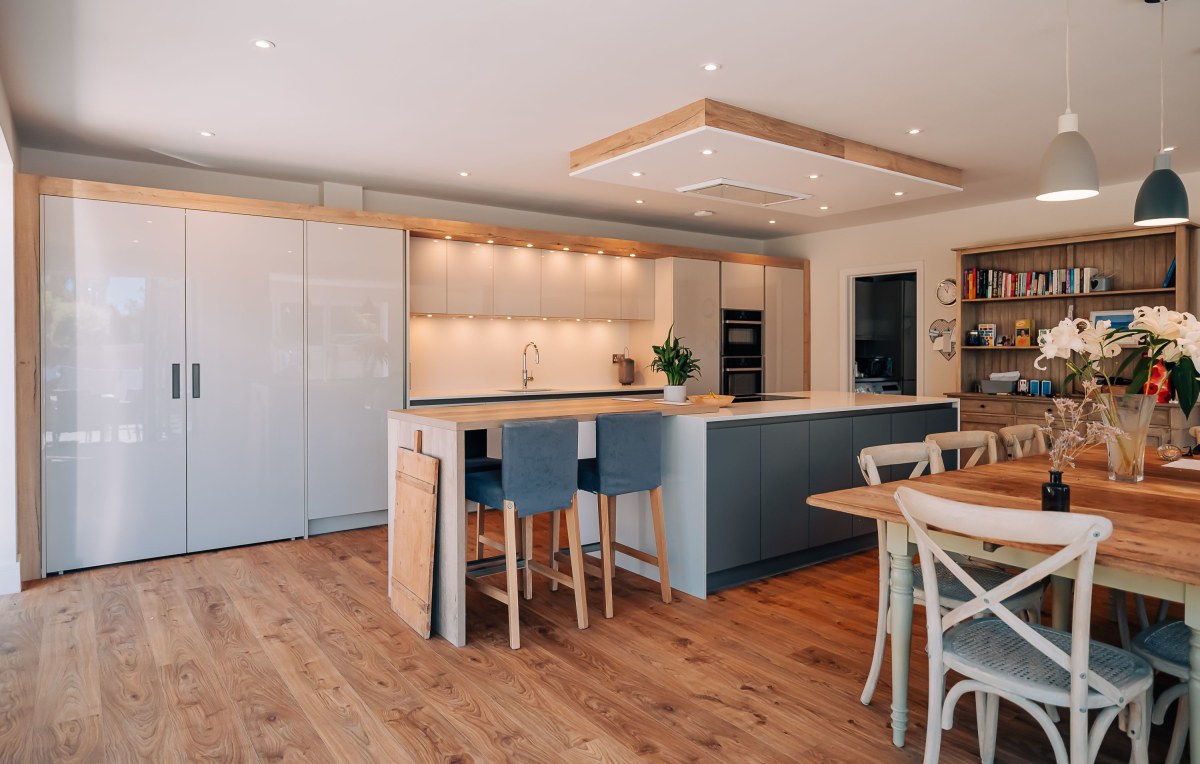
x=629, y=452
x=920, y=455
x=1075, y=536
x=982, y=441
x=1195, y=433
x=1021, y=440
x=540, y=465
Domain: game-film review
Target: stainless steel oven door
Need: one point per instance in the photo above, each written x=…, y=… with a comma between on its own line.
x=739, y=378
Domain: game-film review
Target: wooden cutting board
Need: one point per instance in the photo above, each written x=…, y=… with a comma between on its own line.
x=414, y=533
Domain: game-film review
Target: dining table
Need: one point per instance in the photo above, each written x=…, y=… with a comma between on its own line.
x=1154, y=549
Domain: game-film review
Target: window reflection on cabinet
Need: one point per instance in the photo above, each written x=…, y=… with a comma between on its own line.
x=468, y=278
x=517, y=281
x=564, y=280
x=603, y=287
x=427, y=275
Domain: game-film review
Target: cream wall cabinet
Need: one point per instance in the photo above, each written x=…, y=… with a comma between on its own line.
x=637, y=288
x=602, y=298
x=741, y=286
x=697, y=317
x=517, y=281
x=564, y=284
x=468, y=278
x=427, y=275
x=784, y=330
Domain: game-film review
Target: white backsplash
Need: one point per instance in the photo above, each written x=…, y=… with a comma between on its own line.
x=450, y=355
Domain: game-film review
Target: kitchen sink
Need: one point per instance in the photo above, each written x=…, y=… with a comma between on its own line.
x=529, y=390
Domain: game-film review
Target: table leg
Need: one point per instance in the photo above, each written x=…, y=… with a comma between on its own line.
x=901, y=553
x=1191, y=615
x=1060, y=607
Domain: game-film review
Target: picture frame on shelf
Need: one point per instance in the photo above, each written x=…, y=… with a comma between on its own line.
x=1118, y=319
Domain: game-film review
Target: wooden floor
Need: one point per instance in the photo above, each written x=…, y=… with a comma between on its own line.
x=288, y=652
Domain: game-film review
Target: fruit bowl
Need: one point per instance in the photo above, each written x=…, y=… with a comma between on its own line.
x=711, y=399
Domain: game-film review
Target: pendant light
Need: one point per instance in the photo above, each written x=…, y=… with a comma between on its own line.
x=1162, y=199
x=1068, y=166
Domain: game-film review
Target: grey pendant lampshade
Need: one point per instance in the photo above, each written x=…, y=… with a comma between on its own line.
x=1162, y=199
x=1068, y=166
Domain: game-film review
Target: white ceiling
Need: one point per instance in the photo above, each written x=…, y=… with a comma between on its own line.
x=402, y=96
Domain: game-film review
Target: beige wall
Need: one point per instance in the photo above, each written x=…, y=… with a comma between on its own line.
x=10, y=571
x=452, y=355
x=926, y=242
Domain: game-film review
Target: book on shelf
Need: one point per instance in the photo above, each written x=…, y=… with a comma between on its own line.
x=987, y=335
x=1169, y=279
x=990, y=283
x=1023, y=332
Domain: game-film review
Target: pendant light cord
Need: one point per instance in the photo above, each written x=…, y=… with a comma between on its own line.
x=1162, y=92
x=1067, y=6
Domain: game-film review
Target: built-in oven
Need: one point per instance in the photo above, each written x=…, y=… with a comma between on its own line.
x=741, y=376
x=742, y=333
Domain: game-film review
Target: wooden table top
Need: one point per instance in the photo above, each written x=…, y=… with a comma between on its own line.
x=1156, y=523
x=488, y=415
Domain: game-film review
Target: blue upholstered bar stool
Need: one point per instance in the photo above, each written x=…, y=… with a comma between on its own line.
x=537, y=474
x=628, y=460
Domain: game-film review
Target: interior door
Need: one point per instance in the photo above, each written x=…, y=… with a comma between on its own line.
x=113, y=439
x=356, y=357
x=245, y=379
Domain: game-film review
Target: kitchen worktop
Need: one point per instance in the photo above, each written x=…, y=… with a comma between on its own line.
x=428, y=397
x=483, y=416
x=819, y=402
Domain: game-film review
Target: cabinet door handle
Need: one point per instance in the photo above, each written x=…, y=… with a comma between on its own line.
x=175, y=380
x=195, y=380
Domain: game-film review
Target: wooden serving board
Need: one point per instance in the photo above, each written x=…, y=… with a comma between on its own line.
x=414, y=534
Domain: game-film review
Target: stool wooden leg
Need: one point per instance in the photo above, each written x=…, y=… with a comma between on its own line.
x=527, y=555
x=577, y=575
x=555, y=535
x=660, y=543
x=478, y=531
x=510, y=569
x=606, y=550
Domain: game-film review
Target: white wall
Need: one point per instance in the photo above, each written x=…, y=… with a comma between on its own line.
x=455, y=355
x=10, y=571
x=927, y=242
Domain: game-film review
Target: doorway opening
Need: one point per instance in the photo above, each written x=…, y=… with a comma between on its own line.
x=885, y=333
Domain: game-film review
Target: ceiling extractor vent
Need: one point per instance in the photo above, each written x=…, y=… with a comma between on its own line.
x=741, y=192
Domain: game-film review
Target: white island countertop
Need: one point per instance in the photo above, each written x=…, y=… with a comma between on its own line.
x=819, y=402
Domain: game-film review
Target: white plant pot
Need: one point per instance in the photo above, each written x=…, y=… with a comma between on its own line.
x=675, y=393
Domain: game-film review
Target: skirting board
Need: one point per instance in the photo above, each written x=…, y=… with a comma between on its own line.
x=347, y=522
x=10, y=576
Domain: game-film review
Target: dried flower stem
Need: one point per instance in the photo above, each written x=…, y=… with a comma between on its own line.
x=1072, y=427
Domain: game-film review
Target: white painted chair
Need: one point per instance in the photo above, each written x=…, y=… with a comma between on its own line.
x=982, y=441
x=1021, y=440
x=1195, y=433
x=921, y=456
x=1004, y=657
x=1166, y=647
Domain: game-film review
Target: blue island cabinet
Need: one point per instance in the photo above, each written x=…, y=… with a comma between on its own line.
x=760, y=473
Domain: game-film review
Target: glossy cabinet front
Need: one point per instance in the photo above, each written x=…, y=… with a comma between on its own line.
x=427, y=275
x=784, y=330
x=245, y=335
x=356, y=351
x=468, y=278
x=113, y=411
x=517, y=281
x=602, y=298
x=564, y=284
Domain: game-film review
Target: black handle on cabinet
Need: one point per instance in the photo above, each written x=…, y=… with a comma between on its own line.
x=175, y=380
x=195, y=380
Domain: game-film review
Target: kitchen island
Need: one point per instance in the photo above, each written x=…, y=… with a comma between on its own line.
x=735, y=481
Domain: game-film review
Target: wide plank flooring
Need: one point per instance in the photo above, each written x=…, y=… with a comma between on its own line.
x=288, y=652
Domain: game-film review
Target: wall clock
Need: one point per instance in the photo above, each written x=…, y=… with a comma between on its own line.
x=947, y=292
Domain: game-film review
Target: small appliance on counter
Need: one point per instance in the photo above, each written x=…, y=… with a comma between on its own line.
x=624, y=367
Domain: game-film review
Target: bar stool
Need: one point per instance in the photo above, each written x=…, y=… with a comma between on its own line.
x=537, y=474
x=628, y=460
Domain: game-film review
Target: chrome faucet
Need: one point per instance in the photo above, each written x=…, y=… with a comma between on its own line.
x=537, y=359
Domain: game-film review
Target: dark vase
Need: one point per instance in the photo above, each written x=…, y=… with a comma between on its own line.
x=1056, y=495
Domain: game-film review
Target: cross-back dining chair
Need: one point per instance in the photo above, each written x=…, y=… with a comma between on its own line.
x=982, y=441
x=1020, y=440
x=1005, y=657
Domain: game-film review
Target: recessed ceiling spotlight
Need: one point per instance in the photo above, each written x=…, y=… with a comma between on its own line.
x=464, y=174
x=340, y=228
x=449, y=237
x=208, y=133
x=529, y=245
x=1168, y=148
x=637, y=173
x=707, y=152
x=914, y=131
x=711, y=67
x=428, y=315
x=814, y=176
x=566, y=249
x=772, y=222
x=264, y=44
x=491, y=241
x=898, y=193
x=633, y=254
x=824, y=208
x=470, y=316
x=638, y=201
x=509, y=318
x=599, y=252
x=703, y=213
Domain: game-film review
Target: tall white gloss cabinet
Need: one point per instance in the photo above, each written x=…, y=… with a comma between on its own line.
x=356, y=359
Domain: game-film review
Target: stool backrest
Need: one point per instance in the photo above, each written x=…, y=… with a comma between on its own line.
x=920, y=455
x=540, y=465
x=1195, y=433
x=982, y=441
x=1021, y=440
x=629, y=452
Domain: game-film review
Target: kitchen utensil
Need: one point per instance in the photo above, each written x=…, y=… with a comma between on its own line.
x=625, y=368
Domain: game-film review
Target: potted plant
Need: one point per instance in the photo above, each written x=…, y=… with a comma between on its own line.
x=677, y=363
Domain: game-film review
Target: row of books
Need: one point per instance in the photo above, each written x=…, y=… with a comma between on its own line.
x=989, y=282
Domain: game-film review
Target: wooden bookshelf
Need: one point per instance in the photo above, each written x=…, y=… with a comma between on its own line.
x=1137, y=259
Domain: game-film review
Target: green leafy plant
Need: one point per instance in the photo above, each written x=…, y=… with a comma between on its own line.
x=675, y=360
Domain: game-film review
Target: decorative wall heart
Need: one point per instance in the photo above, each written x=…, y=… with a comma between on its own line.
x=941, y=334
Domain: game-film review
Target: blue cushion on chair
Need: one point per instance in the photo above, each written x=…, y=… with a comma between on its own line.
x=484, y=486
x=481, y=463
x=628, y=454
x=537, y=473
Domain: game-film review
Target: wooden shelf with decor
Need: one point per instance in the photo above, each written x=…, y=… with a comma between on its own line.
x=1138, y=260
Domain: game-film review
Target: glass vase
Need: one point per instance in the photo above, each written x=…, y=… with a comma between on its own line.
x=1056, y=495
x=1127, y=451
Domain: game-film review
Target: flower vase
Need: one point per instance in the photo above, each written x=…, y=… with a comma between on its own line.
x=1127, y=451
x=1056, y=495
